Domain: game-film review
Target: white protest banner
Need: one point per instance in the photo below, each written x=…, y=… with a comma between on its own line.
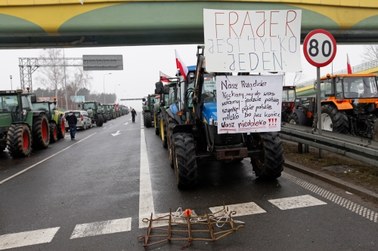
x=249, y=103
x=252, y=41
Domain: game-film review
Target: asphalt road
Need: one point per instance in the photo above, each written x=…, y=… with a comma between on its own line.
x=91, y=194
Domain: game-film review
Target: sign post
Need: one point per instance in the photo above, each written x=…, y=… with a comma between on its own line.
x=319, y=48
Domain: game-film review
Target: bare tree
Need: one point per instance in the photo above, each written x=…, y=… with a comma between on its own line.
x=370, y=53
x=57, y=75
x=52, y=77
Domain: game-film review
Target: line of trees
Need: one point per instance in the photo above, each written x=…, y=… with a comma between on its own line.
x=71, y=105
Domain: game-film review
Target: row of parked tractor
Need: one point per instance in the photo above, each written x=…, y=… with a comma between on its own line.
x=27, y=124
x=349, y=105
x=183, y=114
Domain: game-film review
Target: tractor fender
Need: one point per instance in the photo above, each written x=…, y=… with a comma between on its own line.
x=182, y=128
x=340, y=105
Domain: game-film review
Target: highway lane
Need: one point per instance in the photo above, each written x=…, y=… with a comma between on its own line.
x=90, y=196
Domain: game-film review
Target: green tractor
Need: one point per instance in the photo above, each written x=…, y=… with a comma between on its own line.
x=148, y=109
x=95, y=111
x=167, y=94
x=191, y=126
x=21, y=127
x=56, y=119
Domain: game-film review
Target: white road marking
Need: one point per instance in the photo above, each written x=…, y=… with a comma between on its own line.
x=45, y=159
x=146, y=201
x=126, y=123
x=116, y=133
x=241, y=209
x=28, y=238
x=101, y=227
x=297, y=202
x=349, y=205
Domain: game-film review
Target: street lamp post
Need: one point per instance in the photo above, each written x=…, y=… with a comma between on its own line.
x=10, y=77
x=103, y=84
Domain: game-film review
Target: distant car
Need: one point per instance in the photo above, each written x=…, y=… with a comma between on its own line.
x=83, y=120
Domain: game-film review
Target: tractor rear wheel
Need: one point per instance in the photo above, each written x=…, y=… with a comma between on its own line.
x=171, y=149
x=100, y=120
x=19, y=140
x=147, y=119
x=41, y=131
x=61, y=128
x=53, y=133
x=333, y=120
x=185, y=163
x=156, y=124
x=163, y=135
x=268, y=163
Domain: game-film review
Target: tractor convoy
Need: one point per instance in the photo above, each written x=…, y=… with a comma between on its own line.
x=349, y=105
x=188, y=128
x=22, y=127
x=27, y=124
x=184, y=114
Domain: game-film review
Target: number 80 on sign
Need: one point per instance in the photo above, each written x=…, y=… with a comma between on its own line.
x=319, y=47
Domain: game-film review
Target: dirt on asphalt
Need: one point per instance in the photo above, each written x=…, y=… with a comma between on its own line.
x=347, y=169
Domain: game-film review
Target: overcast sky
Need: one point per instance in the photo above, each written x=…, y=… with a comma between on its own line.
x=141, y=66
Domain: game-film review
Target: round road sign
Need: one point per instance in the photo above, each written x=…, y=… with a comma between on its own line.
x=319, y=47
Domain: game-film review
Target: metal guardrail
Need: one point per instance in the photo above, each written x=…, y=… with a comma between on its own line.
x=354, y=147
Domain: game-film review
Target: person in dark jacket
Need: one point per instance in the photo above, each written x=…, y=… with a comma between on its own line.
x=133, y=114
x=72, y=120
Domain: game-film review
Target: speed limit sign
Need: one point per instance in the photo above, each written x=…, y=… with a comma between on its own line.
x=319, y=47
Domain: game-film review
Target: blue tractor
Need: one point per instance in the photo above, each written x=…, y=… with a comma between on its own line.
x=190, y=121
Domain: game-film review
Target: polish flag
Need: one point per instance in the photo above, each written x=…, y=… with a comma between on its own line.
x=164, y=77
x=349, y=67
x=181, y=66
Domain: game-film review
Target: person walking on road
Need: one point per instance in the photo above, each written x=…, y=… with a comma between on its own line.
x=72, y=120
x=133, y=114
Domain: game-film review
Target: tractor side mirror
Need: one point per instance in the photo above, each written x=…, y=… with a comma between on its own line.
x=158, y=87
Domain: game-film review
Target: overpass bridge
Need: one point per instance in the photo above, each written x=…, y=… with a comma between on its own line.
x=86, y=23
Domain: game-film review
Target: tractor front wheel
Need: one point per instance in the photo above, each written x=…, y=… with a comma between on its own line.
x=53, y=133
x=333, y=120
x=19, y=140
x=185, y=163
x=41, y=131
x=61, y=128
x=268, y=163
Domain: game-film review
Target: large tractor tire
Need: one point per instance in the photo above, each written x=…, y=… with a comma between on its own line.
x=170, y=144
x=333, y=120
x=156, y=124
x=61, y=128
x=19, y=140
x=147, y=119
x=41, y=131
x=53, y=132
x=163, y=135
x=297, y=118
x=185, y=163
x=268, y=163
x=100, y=120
